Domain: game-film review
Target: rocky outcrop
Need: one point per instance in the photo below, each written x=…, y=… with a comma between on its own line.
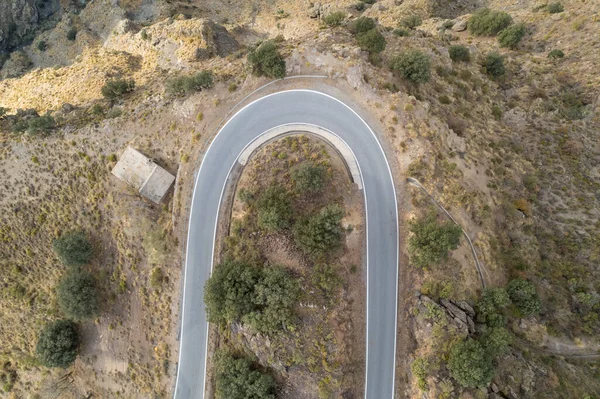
x=20, y=18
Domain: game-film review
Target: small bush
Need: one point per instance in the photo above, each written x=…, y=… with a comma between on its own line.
x=556, y=54
x=266, y=60
x=511, y=36
x=497, y=112
x=156, y=278
x=57, y=344
x=77, y=297
x=555, y=8
x=359, y=6
x=237, y=379
x=413, y=65
x=325, y=279
x=42, y=45
x=494, y=65
x=274, y=209
x=459, y=53
x=470, y=365
x=182, y=85
x=490, y=305
x=371, y=41
x=411, y=22
x=420, y=369
x=114, y=89
x=524, y=295
x=73, y=248
x=320, y=233
x=334, y=19
x=361, y=25
x=40, y=124
x=401, y=32
x=309, y=178
x=486, y=22
x=72, y=34
x=431, y=241
x=3, y=112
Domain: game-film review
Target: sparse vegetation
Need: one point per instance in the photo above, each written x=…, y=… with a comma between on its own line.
x=459, y=53
x=486, y=22
x=494, y=65
x=334, y=19
x=184, y=85
x=411, y=22
x=114, y=89
x=58, y=344
x=431, y=241
x=413, y=65
x=555, y=7
x=73, y=248
x=266, y=60
x=362, y=25
x=511, y=36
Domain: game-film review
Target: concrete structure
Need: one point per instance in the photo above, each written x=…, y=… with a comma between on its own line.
x=143, y=174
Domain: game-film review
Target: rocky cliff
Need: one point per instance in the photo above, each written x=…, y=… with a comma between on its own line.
x=20, y=18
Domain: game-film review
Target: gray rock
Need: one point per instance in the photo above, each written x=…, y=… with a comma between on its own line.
x=66, y=108
x=459, y=26
x=466, y=307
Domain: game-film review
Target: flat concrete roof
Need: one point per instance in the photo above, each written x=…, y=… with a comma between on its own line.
x=140, y=172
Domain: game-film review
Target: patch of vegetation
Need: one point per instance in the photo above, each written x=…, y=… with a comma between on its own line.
x=411, y=21
x=486, y=22
x=183, y=85
x=42, y=45
x=35, y=125
x=556, y=54
x=266, y=60
x=524, y=296
x=494, y=65
x=496, y=341
x=321, y=233
x=490, y=306
x=413, y=65
x=3, y=112
x=58, y=344
x=361, y=25
x=236, y=378
x=470, y=364
x=309, y=178
x=555, y=7
x=116, y=88
x=459, y=53
x=73, y=248
x=334, y=19
x=371, y=41
x=72, y=34
x=325, y=278
x=511, y=36
x=401, y=32
x=77, y=295
x=431, y=241
x=274, y=209
x=420, y=369
x=157, y=278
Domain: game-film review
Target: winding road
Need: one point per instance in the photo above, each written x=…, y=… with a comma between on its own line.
x=269, y=112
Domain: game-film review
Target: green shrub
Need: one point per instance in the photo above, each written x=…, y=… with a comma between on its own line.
x=496, y=341
x=572, y=104
x=524, y=295
x=320, y=233
x=490, y=305
x=411, y=22
x=556, y=54
x=325, y=279
x=555, y=8
x=359, y=6
x=413, y=65
x=511, y=36
x=420, y=369
x=334, y=19
x=497, y=112
x=266, y=60
x=116, y=88
x=182, y=85
x=430, y=241
x=73, y=248
x=72, y=34
x=494, y=65
x=401, y=32
x=57, y=344
x=77, y=297
x=229, y=292
x=371, y=41
x=42, y=45
x=156, y=277
x=274, y=208
x=459, y=53
x=486, y=22
x=40, y=124
x=361, y=25
x=470, y=365
x=237, y=379
x=309, y=178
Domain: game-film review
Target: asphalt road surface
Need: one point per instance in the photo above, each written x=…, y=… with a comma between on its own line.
x=294, y=107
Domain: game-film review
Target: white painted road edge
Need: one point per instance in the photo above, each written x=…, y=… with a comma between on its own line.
x=366, y=233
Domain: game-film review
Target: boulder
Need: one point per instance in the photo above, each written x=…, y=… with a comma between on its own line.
x=459, y=26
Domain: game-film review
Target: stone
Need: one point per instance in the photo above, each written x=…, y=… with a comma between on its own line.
x=66, y=108
x=459, y=26
x=466, y=307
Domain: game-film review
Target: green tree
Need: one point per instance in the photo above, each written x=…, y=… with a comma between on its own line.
x=496, y=341
x=524, y=295
x=40, y=124
x=73, y=248
x=275, y=297
x=274, y=208
x=459, y=53
x=229, y=292
x=430, y=241
x=490, y=305
x=413, y=65
x=371, y=41
x=58, y=344
x=116, y=88
x=189, y=84
x=237, y=379
x=361, y=25
x=309, y=178
x=511, y=36
x=320, y=233
x=486, y=22
x=77, y=295
x=494, y=65
x=334, y=19
x=266, y=60
x=470, y=364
